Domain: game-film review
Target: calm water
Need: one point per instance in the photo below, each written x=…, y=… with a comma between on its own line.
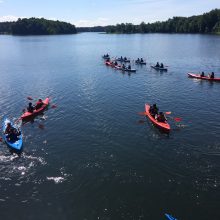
x=90, y=158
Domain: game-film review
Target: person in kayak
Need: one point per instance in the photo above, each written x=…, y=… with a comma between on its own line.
x=154, y=110
x=8, y=128
x=116, y=63
x=39, y=104
x=161, y=65
x=30, y=107
x=123, y=66
x=161, y=117
x=129, y=67
x=125, y=58
x=12, y=133
x=212, y=76
x=142, y=60
x=202, y=74
x=157, y=65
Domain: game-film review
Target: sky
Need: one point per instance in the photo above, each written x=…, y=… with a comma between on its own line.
x=87, y=13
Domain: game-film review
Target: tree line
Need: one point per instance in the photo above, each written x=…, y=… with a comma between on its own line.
x=37, y=26
x=206, y=23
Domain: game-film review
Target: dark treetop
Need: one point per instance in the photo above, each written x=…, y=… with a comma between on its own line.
x=36, y=26
x=206, y=23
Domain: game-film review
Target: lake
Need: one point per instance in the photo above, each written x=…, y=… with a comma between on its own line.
x=94, y=157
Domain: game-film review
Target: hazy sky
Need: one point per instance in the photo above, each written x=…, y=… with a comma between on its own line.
x=104, y=12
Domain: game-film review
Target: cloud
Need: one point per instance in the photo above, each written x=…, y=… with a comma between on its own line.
x=8, y=18
x=90, y=23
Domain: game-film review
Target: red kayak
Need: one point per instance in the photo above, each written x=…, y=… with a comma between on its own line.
x=28, y=115
x=108, y=63
x=198, y=76
x=162, y=125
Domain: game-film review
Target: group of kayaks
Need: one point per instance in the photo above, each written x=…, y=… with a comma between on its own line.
x=119, y=67
x=164, y=126
x=111, y=63
x=26, y=116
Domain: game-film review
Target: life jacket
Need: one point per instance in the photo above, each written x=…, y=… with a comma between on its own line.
x=38, y=105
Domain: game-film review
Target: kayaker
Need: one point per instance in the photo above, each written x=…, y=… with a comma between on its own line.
x=30, y=107
x=212, y=76
x=161, y=65
x=157, y=65
x=39, y=104
x=154, y=110
x=161, y=117
x=129, y=67
x=123, y=66
x=142, y=60
x=12, y=133
x=202, y=74
x=125, y=58
x=116, y=63
x=8, y=128
x=121, y=58
x=138, y=60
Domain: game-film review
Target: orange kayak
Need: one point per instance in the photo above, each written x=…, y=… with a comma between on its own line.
x=28, y=115
x=161, y=125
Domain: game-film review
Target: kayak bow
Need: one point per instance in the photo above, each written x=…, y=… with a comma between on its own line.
x=170, y=217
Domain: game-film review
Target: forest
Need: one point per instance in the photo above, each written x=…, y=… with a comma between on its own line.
x=36, y=26
x=206, y=23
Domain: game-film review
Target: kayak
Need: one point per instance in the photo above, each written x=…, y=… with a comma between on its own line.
x=140, y=63
x=158, y=68
x=28, y=115
x=108, y=63
x=118, y=67
x=106, y=57
x=170, y=217
x=197, y=76
x=161, y=125
x=15, y=145
x=123, y=60
x=128, y=70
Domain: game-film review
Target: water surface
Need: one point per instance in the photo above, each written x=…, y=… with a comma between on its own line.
x=92, y=159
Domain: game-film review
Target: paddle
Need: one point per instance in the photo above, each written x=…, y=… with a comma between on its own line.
x=29, y=98
x=176, y=119
x=41, y=126
x=144, y=113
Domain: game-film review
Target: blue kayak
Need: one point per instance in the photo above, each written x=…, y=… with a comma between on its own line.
x=170, y=217
x=15, y=145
